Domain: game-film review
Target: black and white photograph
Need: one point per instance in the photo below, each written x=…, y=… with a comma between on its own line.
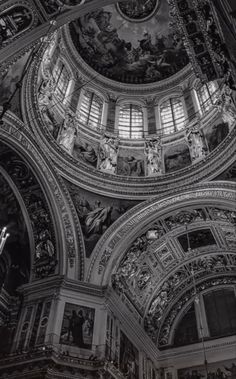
x=118, y=189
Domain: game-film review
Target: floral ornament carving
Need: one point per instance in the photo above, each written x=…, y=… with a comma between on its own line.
x=104, y=260
x=130, y=265
x=223, y=215
x=45, y=256
x=185, y=218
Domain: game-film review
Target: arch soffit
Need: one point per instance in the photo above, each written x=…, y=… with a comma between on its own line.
x=67, y=227
x=24, y=211
x=110, y=249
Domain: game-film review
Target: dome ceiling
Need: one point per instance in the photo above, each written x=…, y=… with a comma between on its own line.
x=130, y=42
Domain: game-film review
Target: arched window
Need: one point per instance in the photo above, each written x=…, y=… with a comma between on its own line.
x=61, y=78
x=172, y=115
x=90, y=111
x=220, y=308
x=130, y=121
x=207, y=96
x=186, y=331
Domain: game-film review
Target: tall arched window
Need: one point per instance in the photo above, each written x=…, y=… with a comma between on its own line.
x=90, y=111
x=220, y=308
x=130, y=121
x=61, y=78
x=207, y=96
x=186, y=331
x=172, y=115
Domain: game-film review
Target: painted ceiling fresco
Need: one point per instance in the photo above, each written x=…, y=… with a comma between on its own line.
x=129, y=43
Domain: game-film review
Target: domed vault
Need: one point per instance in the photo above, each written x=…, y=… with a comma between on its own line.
x=117, y=186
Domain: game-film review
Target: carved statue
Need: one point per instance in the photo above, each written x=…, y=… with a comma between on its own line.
x=108, y=154
x=45, y=92
x=68, y=133
x=153, y=157
x=195, y=142
x=226, y=106
x=45, y=100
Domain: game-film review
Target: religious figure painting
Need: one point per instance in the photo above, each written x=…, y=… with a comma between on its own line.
x=8, y=82
x=130, y=162
x=215, y=134
x=54, y=6
x=177, y=157
x=129, y=358
x=96, y=213
x=85, y=151
x=77, y=326
x=218, y=370
x=152, y=52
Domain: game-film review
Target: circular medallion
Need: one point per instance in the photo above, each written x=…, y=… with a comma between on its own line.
x=138, y=11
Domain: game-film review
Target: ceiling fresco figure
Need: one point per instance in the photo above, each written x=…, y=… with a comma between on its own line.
x=151, y=53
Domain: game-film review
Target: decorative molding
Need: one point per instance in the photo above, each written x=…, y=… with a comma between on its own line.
x=113, y=185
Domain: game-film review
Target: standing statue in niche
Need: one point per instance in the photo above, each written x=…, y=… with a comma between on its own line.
x=46, y=90
x=68, y=133
x=226, y=106
x=195, y=141
x=45, y=97
x=153, y=157
x=108, y=154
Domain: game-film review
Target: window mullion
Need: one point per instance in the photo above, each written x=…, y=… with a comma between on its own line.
x=172, y=112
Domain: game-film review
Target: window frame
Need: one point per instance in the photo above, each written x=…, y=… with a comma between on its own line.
x=174, y=124
x=208, y=90
x=61, y=75
x=85, y=115
x=132, y=129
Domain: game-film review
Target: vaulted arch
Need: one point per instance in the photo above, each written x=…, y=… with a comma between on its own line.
x=49, y=207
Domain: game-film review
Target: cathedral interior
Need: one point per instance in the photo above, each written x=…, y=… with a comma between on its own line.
x=117, y=189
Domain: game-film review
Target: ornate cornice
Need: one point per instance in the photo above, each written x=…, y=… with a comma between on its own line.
x=103, y=183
